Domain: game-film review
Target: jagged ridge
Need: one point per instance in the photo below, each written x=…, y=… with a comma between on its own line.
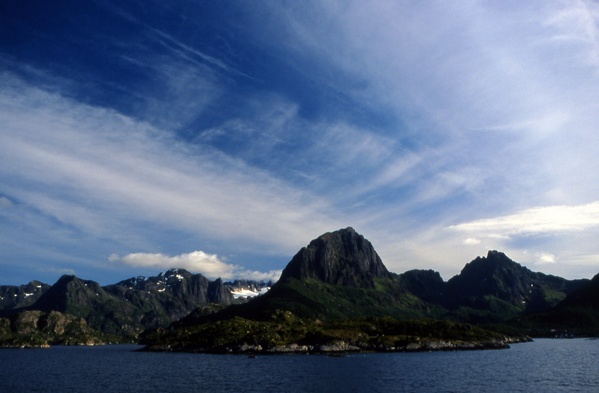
x=334, y=295
x=128, y=307
x=338, y=275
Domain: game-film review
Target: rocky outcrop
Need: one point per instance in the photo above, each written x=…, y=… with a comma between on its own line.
x=341, y=258
x=40, y=329
x=219, y=293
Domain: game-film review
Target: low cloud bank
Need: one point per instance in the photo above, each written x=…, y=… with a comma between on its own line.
x=209, y=265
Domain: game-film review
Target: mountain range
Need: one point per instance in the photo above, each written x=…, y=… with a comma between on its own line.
x=125, y=309
x=336, y=295
x=336, y=277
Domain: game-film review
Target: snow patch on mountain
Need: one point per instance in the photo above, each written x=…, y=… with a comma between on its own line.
x=248, y=292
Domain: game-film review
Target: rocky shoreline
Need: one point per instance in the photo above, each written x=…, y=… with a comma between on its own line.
x=343, y=347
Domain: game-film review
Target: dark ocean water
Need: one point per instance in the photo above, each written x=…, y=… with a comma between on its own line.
x=541, y=366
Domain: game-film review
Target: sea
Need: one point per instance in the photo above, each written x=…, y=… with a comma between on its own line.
x=544, y=365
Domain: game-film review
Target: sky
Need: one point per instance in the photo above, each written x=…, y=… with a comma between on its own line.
x=223, y=136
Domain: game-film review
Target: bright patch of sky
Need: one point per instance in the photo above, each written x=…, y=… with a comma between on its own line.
x=222, y=137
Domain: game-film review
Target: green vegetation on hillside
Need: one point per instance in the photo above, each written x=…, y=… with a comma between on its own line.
x=313, y=299
x=286, y=332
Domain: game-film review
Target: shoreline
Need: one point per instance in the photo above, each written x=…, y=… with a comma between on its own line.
x=342, y=347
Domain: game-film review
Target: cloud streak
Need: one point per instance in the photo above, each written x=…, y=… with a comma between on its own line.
x=432, y=128
x=98, y=169
x=546, y=220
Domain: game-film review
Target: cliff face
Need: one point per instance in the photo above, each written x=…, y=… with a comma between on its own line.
x=218, y=293
x=341, y=258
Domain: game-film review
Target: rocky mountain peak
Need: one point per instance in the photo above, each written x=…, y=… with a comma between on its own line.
x=343, y=257
x=498, y=276
x=176, y=273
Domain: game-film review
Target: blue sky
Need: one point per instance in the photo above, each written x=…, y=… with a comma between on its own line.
x=223, y=136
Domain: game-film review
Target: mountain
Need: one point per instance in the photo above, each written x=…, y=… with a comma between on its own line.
x=577, y=314
x=247, y=289
x=338, y=275
x=337, y=283
x=87, y=299
x=495, y=288
x=425, y=284
x=334, y=295
x=338, y=258
x=130, y=306
x=13, y=297
x=586, y=296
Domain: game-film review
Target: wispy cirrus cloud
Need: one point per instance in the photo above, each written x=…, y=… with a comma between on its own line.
x=577, y=24
x=102, y=172
x=432, y=128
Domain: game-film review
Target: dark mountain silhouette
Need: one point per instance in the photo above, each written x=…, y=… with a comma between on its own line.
x=586, y=296
x=338, y=258
x=425, y=284
x=495, y=288
x=128, y=307
x=334, y=294
x=14, y=297
x=336, y=277
x=578, y=315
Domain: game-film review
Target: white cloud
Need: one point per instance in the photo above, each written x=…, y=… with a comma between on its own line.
x=545, y=258
x=536, y=221
x=471, y=241
x=209, y=265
